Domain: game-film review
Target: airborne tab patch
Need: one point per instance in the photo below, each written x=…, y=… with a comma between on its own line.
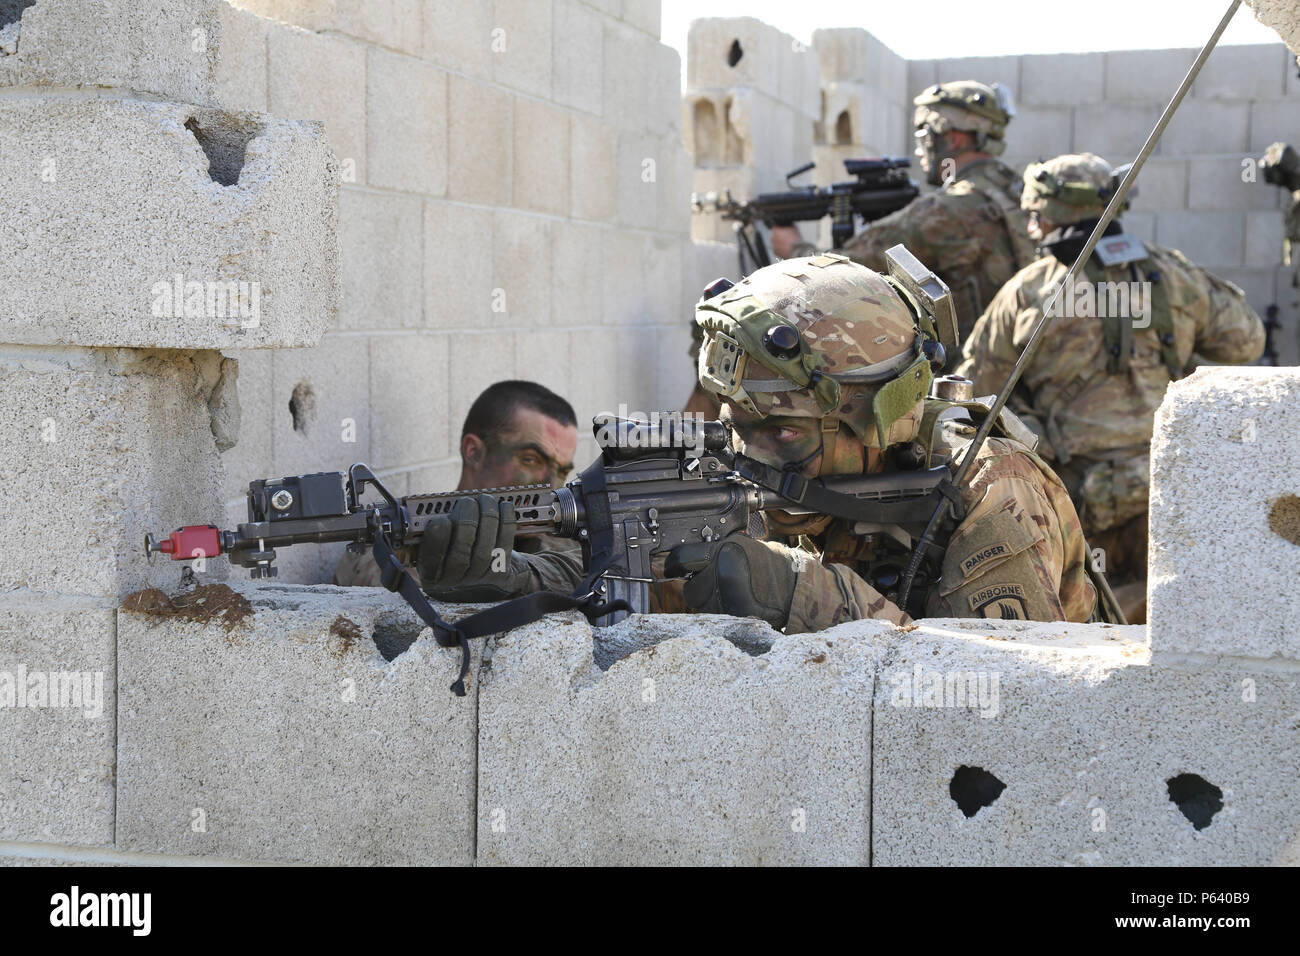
x=1005, y=601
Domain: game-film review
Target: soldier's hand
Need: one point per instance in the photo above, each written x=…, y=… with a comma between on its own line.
x=738, y=575
x=459, y=548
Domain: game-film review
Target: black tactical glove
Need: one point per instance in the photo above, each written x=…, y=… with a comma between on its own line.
x=738, y=575
x=457, y=551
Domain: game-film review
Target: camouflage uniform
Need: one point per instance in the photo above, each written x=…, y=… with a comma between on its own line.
x=1094, y=410
x=360, y=570
x=1018, y=552
x=971, y=230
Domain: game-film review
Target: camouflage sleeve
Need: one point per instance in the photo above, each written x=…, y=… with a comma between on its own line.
x=990, y=351
x=830, y=594
x=868, y=247
x=1233, y=333
x=1019, y=552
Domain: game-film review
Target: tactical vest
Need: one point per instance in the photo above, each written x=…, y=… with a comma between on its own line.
x=1023, y=249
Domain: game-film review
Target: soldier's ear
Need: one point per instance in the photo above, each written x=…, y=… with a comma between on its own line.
x=472, y=450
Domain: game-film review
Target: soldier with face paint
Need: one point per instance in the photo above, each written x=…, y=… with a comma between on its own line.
x=837, y=363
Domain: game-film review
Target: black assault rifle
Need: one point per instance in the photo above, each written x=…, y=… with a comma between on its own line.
x=656, y=485
x=878, y=187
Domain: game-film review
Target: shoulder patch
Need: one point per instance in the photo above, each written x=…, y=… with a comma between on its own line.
x=1004, y=601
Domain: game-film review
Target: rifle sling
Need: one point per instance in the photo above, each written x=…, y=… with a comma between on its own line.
x=521, y=610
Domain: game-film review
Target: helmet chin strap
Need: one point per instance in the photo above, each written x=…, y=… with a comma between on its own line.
x=825, y=448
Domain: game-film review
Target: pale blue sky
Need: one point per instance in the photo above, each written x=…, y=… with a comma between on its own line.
x=950, y=28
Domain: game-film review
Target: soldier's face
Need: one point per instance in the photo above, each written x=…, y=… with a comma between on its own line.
x=1038, y=227
x=532, y=450
x=779, y=440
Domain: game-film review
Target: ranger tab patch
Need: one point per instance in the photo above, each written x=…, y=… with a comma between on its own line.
x=982, y=555
x=1005, y=601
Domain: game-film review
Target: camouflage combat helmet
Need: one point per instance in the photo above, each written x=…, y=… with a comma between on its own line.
x=1071, y=188
x=825, y=338
x=967, y=106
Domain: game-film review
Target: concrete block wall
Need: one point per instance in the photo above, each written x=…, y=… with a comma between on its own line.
x=745, y=81
x=514, y=204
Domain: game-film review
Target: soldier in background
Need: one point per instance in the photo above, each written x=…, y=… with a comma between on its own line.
x=971, y=230
x=516, y=433
x=1094, y=384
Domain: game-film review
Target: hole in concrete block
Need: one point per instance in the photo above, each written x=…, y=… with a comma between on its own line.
x=394, y=634
x=704, y=119
x=735, y=53
x=1284, y=518
x=974, y=788
x=844, y=128
x=1197, y=798
x=224, y=144
x=302, y=406
x=11, y=11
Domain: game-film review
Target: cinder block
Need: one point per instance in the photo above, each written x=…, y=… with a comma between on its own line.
x=193, y=51
x=1253, y=71
x=625, y=284
x=1209, y=239
x=1141, y=224
x=1149, y=75
x=544, y=358
x=1162, y=185
x=115, y=202
x=986, y=69
x=593, y=172
x=643, y=14
x=408, y=400
x=1224, y=508
x=290, y=737
x=319, y=77
x=598, y=350
x=522, y=59
x=251, y=457
x=406, y=124
x=577, y=251
x=1228, y=182
x=1264, y=235
x=458, y=36
x=477, y=361
x=577, y=70
x=322, y=406
x=629, y=57
x=1061, y=762
x=664, y=103
x=457, y=266
x=479, y=135
x=920, y=75
x=1041, y=132
x=637, y=178
x=674, y=214
x=522, y=269
x=106, y=445
x=1202, y=126
x=379, y=235
x=58, y=701
x=593, y=785
x=1117, y=133
x=1271, y=122
x=638, y=371
x=541, y=157
x=735, y=51
x=1061, y=79
x=662, y=260
x=441, y=477
x=388, y=23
